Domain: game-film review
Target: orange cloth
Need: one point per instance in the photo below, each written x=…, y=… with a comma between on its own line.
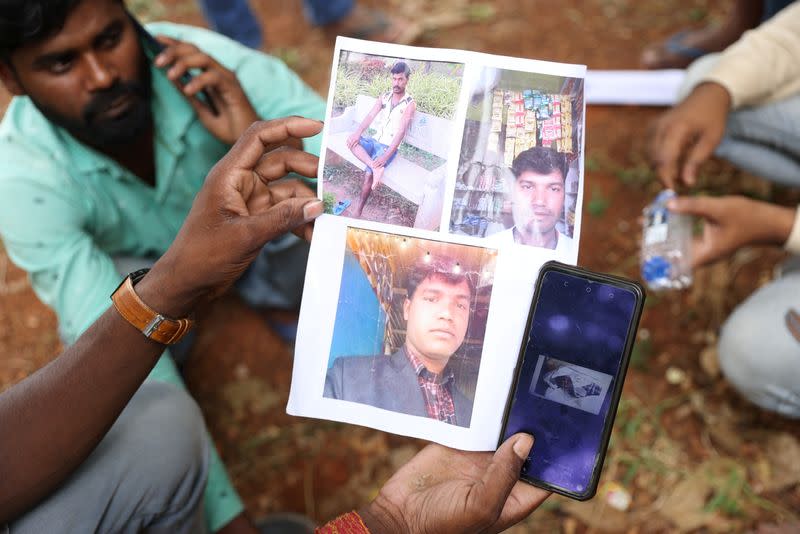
x=349, y=523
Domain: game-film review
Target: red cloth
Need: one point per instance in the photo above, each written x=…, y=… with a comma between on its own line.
x=349, y=523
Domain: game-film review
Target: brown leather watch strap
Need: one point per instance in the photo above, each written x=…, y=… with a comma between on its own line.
x=148, y=321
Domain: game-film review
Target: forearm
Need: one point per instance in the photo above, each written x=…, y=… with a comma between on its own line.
x=777, y=224
x=54, y=419
x=762, y=66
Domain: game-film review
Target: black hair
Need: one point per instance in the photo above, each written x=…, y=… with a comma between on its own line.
x=540, y=160
x=401, y=67
x=441, y=268
x=24, y=22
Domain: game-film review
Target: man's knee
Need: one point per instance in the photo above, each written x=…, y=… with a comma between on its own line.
x=757, y=353
x=148, y=472
x=164, y=434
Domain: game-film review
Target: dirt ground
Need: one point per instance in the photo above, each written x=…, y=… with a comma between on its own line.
x=690, y=453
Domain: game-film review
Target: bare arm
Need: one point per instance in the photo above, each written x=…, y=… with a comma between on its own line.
x=732, y=222
x=53, y=420
x=405, y=123
x=353, y=139
x=408, y=115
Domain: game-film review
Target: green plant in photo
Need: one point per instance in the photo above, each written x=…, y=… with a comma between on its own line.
x=433, y=92
x=328, y=201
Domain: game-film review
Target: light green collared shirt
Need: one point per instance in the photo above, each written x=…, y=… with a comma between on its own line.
x=66, y=209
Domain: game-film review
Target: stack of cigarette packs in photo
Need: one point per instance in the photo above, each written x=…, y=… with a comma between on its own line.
x=532, y=119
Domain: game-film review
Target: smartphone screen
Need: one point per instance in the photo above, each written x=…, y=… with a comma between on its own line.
x=568, y=381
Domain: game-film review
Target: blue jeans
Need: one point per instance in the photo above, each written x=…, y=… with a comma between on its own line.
x=375, y=149
x=235, y=19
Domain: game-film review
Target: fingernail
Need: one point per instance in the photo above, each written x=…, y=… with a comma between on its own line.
x=522, y=447
x=159, y=61
x=313, y=209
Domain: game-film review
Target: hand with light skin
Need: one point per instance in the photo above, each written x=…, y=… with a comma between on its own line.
x=236, y=112
x=687, y=135
x=352, y=139
x=732, y=222
x=381, y=160
x=443, y=490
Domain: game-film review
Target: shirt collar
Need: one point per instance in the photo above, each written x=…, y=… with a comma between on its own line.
x=421, y=371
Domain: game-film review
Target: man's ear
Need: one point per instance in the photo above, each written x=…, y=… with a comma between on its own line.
x=9, y=78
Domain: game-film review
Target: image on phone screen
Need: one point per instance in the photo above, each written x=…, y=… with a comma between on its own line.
x=569, y=370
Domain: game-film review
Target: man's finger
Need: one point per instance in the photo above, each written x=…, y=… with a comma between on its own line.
x=668, y=153
x=503, y=472
x=283, y=217
x=698, y=153
x=705, y=207
x=262, y=135
x=703, y=251
x=281, y=161
x=286, y=189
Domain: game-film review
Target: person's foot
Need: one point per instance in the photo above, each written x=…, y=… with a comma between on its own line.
x=681, y=49
x=375, y=25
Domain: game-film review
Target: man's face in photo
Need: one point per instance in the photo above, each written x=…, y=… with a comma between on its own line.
x=399, y=82
x=91, y=77
x=537, y=201
x=437, y=316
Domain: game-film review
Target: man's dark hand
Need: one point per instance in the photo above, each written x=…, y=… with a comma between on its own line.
x=239, y=208
x=732, y=222
x=687, y=135
x=444, y=490
x=236, y=112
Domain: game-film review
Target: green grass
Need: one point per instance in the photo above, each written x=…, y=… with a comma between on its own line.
x=434, y=92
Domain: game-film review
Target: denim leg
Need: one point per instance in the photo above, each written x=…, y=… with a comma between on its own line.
x=275, y=279
x=757, y=351
x=765, y=141
x=322, y=12
x=146, y=475
x=234, y=19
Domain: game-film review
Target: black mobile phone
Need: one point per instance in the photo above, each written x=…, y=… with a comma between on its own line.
x=572, y=363
x=152, y=48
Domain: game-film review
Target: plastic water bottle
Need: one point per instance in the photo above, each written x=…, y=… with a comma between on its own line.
x=666, y=246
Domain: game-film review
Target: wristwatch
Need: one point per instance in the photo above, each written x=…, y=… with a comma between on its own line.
x=149, y=322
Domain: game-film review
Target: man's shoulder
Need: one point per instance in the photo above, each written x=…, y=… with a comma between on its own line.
x=359, y=362
x=501, y=237
x=565, y=243
x=30, y=145
x=374, y=363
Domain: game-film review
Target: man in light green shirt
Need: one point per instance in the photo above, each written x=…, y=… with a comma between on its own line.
x=103, y=153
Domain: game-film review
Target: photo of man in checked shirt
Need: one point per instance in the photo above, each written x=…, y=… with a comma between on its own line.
x=416, y=379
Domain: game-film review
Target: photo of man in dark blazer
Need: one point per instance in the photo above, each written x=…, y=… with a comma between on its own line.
x=416, y=379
